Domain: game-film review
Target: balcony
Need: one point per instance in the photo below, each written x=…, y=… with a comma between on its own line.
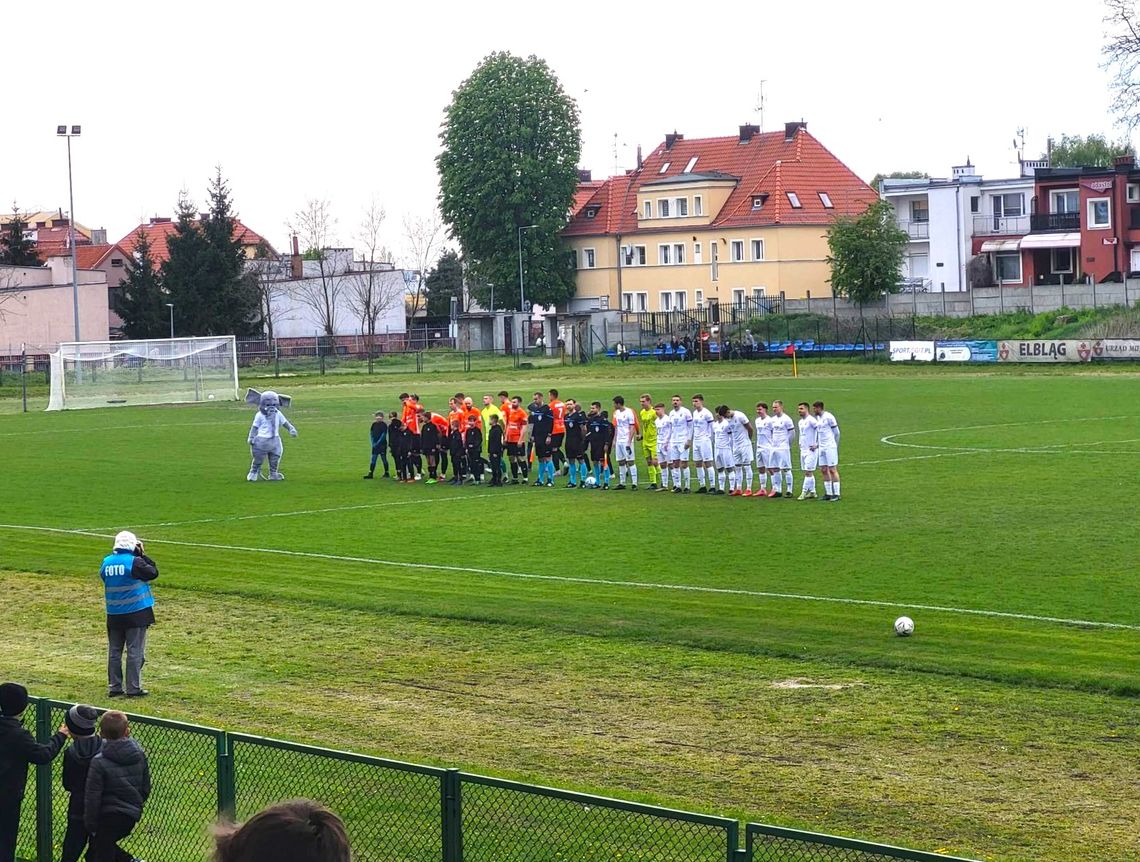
x=915, y=229
x=1055, y=221
x=1001, y=225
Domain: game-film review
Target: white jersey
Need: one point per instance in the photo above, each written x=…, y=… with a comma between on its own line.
x=763, y=432
x=624, y=421
x=702, y=425
x=682, y=419
x=783, y=429
x=828, y=429
x=664, y=426
x=268, y=427
x=809, y=433
x=722, y=435
x=739, y=425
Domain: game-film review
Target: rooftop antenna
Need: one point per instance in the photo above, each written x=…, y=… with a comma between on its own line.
x=760, y=105
x=618, y=148
x=1019, y=144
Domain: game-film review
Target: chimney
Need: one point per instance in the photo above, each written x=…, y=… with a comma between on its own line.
x=296, y=265
x=747, y=132
x=1123, y=163
x=639, y=161
x=671, y=139
x=584, y=176
x=160, y=220
x=790, y=130
x=99, y=236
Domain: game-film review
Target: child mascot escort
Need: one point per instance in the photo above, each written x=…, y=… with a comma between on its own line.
x=265, y=433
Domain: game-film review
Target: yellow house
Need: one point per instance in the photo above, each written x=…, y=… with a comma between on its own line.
x=713, y=220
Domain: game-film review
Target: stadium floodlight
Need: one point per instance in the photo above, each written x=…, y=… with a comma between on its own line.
x=154, y=371
x=62, y=131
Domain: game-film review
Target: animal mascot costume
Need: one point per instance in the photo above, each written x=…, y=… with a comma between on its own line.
x=265, y=433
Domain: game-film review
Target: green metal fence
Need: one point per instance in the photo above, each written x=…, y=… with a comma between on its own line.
x=402, y=812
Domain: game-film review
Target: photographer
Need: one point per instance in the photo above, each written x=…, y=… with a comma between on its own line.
x=126, y=574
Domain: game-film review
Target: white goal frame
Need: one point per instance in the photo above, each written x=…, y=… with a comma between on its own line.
x=109, y=364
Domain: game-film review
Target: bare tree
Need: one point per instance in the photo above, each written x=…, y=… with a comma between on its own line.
x=372, y=288
x=425, y=237
x=10, y=283
x=271, y=275
x=314, y=226
x=1122, y=57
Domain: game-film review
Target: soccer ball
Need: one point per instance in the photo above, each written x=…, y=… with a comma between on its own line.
x=210, y=397
x=904, y=627
x=591, y=482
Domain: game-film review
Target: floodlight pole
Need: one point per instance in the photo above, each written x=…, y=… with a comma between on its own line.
x=170, y=305
x=62, y=131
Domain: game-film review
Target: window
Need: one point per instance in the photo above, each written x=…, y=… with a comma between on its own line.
x=591, y=212
x=698, y=205
x=1067, y=201
x=591, y=259
x=1061, y=260
x=757, y=294
x=663, y=208
x=738, y=297
x=1099, y=216
x=692, y=164
x=635, y=255
x=647, y=209
x=664, y=255
x=574, y=258
x=919, y=211
x=794, y=200
x=737, y=250
x=664, y=168
x=757, y=249
x=665, y=303
x=682, y=207
x=757, y=202
x=678, y=252
x=1012, y=204
x=696, y=252
x=627, y=302
x=1008, y=267
x=975, y=203
x=679, y=300
x=1132, y=193
x=825, y=199
x=700, y=298
x=116, y=262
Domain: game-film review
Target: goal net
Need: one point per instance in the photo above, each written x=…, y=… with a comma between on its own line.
x=156, y=371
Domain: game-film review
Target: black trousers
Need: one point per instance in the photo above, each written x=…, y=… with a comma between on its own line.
x=112, y=829
x=74, y=840
x=496, y=459
x=9, y=828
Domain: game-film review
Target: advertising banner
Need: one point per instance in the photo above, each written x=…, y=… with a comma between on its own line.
x=1069, y=350
x=912, y=351
x=1116, y=348
x=966, y=351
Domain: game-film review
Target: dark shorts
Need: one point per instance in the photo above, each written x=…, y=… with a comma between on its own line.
x=542, y=449
x=556, y=440
x=597, y=452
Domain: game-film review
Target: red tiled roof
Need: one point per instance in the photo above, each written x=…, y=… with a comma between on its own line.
x=158, y=232
x=90, y=256
x=583, y=193
x=768, y=165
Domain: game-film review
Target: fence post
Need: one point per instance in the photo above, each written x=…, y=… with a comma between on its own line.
x=1094, y=294
x=24, y=361
x=732, y=834
x=1032, y=299
x=43, y=786
x=276, y=359
x=226, y=779
x=809, y=302
x=1062, y=291
x=451, y=815
x=1125, y=305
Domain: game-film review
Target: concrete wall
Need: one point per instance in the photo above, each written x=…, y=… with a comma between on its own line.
x=293, y=317
x=36, y=307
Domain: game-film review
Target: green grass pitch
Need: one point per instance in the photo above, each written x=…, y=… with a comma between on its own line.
x=732, y=656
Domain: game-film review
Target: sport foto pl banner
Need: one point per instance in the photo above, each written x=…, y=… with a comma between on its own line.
x=1045, y=351
x=912, y=351
x=966, y=351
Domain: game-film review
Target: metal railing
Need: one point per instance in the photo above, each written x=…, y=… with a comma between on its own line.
x=401, y=811
x=1001, y=225
x=1055, y=221
x=916, y=229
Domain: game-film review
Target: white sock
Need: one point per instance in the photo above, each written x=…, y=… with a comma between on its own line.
x=827, y=487
x=622, y=471
x=789, y=479
x=778, y=483
x=747, y=477
x=633, y=474
x=711, y=471
x=809, y=484
x=701, y=477
x=763, y=477
x=720, y=480
x=737, y=479
x=835, y=486
x=688, y=478
x=676, y=471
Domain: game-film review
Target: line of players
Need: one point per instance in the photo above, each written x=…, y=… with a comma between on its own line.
x=720, y=443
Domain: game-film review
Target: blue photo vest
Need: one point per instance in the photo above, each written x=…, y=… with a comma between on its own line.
x=123, y=594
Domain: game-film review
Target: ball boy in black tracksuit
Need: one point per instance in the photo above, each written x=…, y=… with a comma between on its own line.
x=458, y=450
x=378, y=434
x=495, y=450
x=398, y=440
x=473, y=449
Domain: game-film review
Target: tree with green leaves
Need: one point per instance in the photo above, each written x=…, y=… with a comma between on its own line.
x=141, y=300
x=866, y=254
x=1121, y=54
x=15, y=248
x=444, y=282
x=1093, y=151
x=184, y=272
x=898, y=175
x=511, y=144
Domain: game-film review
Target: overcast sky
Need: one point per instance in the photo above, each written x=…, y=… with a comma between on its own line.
x=344, y=100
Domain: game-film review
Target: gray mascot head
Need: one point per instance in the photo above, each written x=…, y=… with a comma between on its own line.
x=267, y=402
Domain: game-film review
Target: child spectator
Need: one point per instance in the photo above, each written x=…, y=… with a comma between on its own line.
x=398, y=442
x=378, y=433
x=118, y=784
x=455, y=440
x=297, y=831
x=80, y=720
x=495, y=449
x=18, y=748
x=473, y=448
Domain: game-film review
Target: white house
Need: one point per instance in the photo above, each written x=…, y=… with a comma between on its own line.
x=950, y=220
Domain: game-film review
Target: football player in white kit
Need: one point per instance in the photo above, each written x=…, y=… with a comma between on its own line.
x=741, y=433
x=664, y=425
x=763, y=446
x=626, y=429
x=725, y=454
x=809, y=450
x=681, y=441
x=703, y=444
x=828, y=451
x=783, y=432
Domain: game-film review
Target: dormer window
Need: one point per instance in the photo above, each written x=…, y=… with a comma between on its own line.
x=794, y=200
x=825, y=199
x=664, y=167
x=758, y=201
x=591, y=212
x=692, y=164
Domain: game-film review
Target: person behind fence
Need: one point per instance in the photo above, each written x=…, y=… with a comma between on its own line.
x=118, y=785
x=80, y=720
x=18, y=748
x=378, y=434
x=127, y=572
x=296, y=831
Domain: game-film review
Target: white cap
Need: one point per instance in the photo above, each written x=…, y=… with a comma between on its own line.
x=125, y=541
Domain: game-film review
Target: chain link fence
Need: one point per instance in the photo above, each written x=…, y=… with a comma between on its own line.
x=400, y=811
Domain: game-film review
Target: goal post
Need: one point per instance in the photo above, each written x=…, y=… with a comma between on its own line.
x=154, y=371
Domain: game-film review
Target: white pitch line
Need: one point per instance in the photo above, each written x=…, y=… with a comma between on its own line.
x=230, y=518
x=890, y=439
x=567, y=579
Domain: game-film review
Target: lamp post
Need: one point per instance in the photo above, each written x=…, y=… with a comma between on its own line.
x=62, y=131
x=170, y=305
x=522, y=301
